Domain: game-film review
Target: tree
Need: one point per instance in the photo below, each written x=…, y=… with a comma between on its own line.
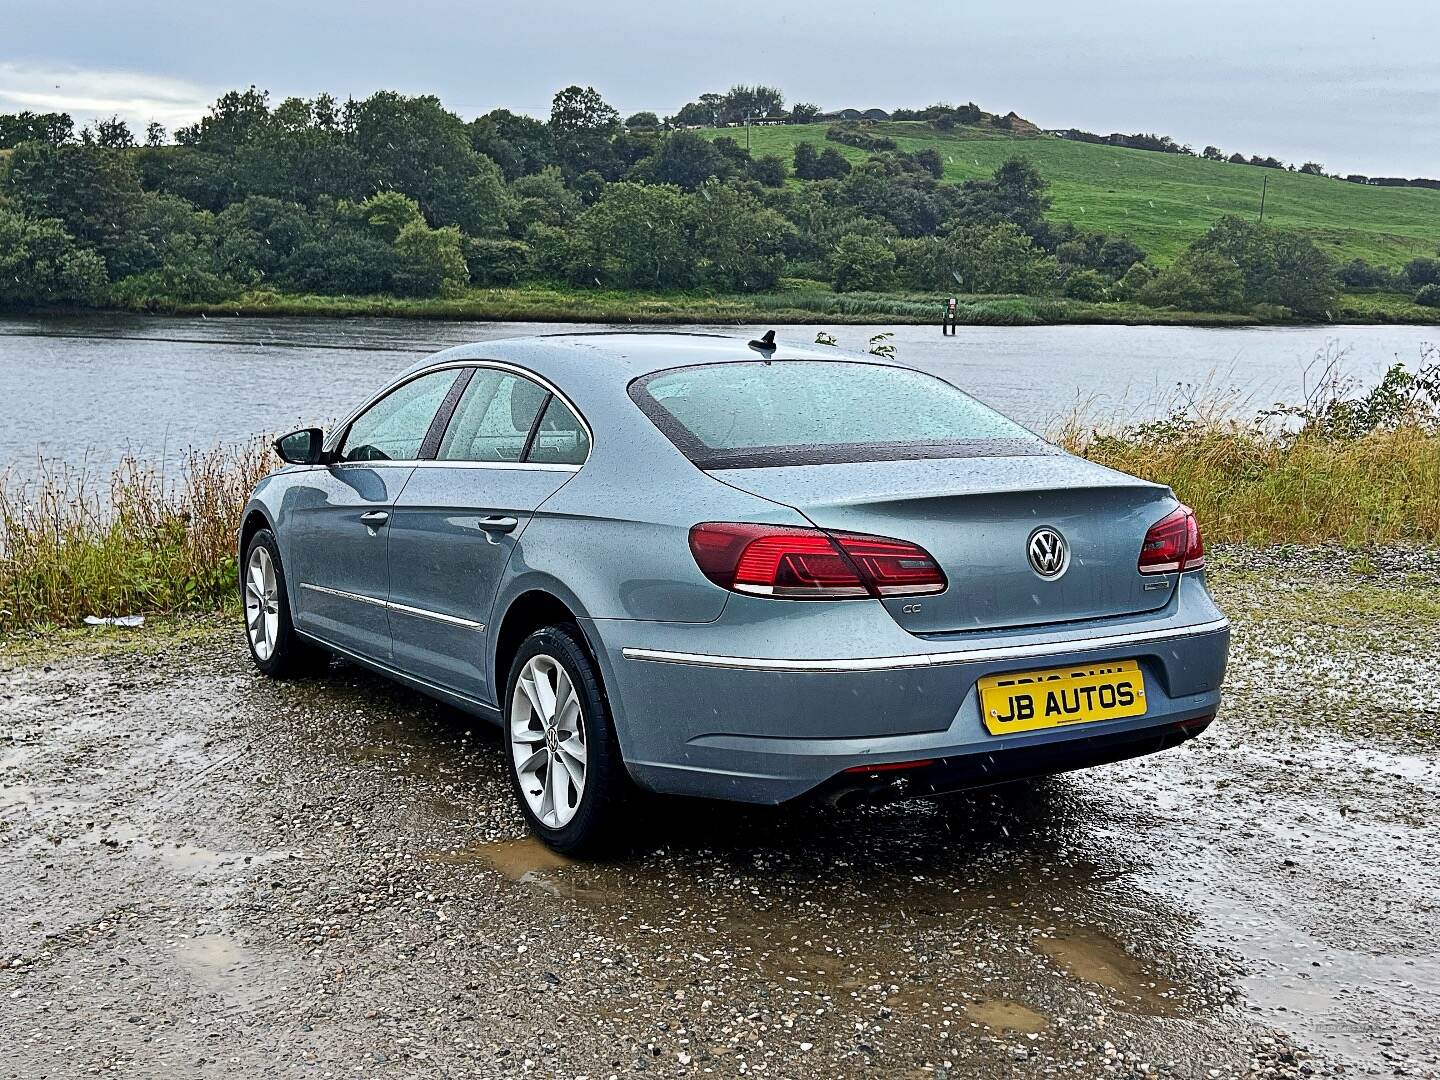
x=1087, y=285
x=1428, y=296
x=544, y=198
x=638, y=234
x=687, y=160
x=233, y=117
x=389, y=213
x=52, y=128
x=92, y=191
x=861, y=264
x=1015, y=194
x=831, y=165
x=583, y=128
x=996, y=259
x=807, y=160
x=155, y=134
x=1422, y=271
x=431, y=262
x=413, y=145
x=40, y=263
x=743, y=102
x=1276, y=267
x=520, y=145
x=1197, y=281
x=1313, y=168
x=803, y=112
x=768, y=170
x=1213, y=153
x=740, y=244
x=113, y=134
x=643, y=121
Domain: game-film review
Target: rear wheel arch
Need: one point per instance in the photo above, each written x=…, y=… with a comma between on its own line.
x=527, y=613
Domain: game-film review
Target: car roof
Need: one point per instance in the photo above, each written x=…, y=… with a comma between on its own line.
x=620, y=356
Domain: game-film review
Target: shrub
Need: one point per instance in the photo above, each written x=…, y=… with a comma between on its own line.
x=1428, y=296
x=1087, y=285
x=40, y=263
x=496, y=262
x=857, y=136
x=431, y=262
x=861, y=264
x=1422, y=271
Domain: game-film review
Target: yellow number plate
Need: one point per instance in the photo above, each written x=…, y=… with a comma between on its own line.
x=1027, y=700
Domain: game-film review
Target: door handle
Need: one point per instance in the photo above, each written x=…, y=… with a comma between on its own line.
x=374, y=518
x=497, y=524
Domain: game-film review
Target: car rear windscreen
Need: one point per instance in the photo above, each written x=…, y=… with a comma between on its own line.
x=811, y=412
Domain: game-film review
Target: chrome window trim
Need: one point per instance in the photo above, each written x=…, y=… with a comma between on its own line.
x=343, y=428
x=920, y=660
x=405, y=609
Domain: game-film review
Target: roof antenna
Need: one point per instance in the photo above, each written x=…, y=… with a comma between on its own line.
x=765, y=344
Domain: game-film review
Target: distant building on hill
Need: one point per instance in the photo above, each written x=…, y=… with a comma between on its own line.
x=855, y=114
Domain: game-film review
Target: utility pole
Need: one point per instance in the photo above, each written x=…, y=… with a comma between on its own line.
x=1264, y=187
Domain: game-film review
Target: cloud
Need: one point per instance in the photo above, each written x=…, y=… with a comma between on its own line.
x=87, y=94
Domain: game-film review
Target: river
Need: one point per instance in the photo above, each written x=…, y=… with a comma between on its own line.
x=87, y=391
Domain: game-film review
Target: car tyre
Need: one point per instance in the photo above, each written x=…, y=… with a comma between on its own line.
x=278, y=651
x=560, y=747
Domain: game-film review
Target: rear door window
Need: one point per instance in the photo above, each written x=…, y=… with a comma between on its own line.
x=493, y=419
x=797, y=412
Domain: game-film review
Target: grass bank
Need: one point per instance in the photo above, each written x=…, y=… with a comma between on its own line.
x=799, y=302
x=73, y=545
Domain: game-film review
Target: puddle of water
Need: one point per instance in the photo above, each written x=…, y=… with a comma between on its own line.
x=1001, y=1015
x=515, y=860
x=218, y=965
x=1092, y=957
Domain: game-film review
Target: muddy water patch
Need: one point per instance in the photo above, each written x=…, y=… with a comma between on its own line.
x=1094, y=958
x=1002, y=1015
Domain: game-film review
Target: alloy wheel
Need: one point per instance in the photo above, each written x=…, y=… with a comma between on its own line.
x=262, y=605
x=547, y=740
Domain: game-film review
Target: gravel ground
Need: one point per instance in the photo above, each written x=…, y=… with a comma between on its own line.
x=207, y=874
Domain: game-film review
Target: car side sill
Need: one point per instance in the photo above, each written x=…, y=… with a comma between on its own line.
x=460, y=701
x=923, y=660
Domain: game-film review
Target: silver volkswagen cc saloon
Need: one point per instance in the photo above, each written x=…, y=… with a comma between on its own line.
x=694, y=565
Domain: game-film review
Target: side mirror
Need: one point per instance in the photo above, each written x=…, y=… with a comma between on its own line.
x=303, y=447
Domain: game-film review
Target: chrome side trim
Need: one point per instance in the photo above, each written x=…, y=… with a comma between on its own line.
x=359, y=598
x=920, y=660
x=436, y=616
x=406, y=609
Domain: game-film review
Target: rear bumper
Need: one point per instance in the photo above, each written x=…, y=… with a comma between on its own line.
x=719, y=724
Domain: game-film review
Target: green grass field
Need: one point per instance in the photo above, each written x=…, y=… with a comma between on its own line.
x=1162, y=201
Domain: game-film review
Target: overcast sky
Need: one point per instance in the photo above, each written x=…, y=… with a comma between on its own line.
x=1355, y=86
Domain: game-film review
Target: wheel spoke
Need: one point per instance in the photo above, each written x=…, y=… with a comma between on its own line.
x=574, y=770
x=544, y=694
x=531, y=765
x=522, y=732
x=252, y=590
x=526, y=685
x=559, y=790
x=575, y=750
x=547, y=798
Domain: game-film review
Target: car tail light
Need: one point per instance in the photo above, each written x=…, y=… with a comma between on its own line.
x=1173, y=544
x=811, y=564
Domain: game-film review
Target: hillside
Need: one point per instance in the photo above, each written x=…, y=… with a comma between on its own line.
x=1163, y=201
